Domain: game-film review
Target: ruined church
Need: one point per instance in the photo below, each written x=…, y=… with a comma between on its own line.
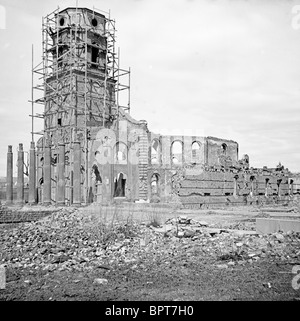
x=92, y=150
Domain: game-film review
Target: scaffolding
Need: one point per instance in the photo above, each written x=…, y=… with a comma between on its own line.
x=68, y=54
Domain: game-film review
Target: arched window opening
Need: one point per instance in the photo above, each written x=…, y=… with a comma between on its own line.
x=224, y=148
x=94, y=55
x=121, y=153
x=95, y=189
x=252, y=180
x=94, y=22
x=154, y=184
x=176, y=152
x=96, y=174
x=195, y=152
x=278, y=187
x=62, y=21
x=155, y=152
x=120, y=185
x=267, y=186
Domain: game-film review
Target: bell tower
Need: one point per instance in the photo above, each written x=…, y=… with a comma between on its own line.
x=79, y=81
x=80, y=87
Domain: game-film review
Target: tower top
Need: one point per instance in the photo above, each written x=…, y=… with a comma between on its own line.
x=81, y=9
x=83, y=17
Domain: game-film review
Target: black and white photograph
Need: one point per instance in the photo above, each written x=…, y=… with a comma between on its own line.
x=149, y=152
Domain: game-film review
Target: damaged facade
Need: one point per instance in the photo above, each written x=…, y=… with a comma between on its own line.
x=93, y=150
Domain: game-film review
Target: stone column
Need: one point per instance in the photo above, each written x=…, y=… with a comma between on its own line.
x=32, y=175
x=9, y=176
x=143, y=165
x=235, y=186
x=76, y=174
x=60, y=191
x=39, y=161
x=187, y=150
x=20, y=181
x=47, y=176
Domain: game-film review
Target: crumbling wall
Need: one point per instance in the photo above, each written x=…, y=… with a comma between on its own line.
x=191, y=156
x=220, y=186
x=295, y=182
x=221, y=152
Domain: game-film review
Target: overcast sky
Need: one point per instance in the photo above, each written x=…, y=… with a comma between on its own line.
x=229, y=69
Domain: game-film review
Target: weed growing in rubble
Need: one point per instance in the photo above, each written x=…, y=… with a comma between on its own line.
x=109, y=224
x=154, y=219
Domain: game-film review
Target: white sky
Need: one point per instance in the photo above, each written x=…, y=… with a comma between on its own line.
x=223, y=68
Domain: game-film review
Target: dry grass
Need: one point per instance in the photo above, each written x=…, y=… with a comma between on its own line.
x=108, y=224
x=154, y=218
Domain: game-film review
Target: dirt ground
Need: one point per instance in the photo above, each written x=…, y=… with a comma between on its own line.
x=149, y=257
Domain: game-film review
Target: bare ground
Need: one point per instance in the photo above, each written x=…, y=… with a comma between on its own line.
x=69, y=257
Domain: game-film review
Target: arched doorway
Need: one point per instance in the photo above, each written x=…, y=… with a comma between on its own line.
x=95, y=191
x=154, y=185
x=120, y=185
x=252, y=186
x=224, y=149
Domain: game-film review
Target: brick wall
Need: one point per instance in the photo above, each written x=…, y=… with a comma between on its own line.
x=210, y=189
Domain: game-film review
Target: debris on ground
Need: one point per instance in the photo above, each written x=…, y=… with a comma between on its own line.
x=73, y=241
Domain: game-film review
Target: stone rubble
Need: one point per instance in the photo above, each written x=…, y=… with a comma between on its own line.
x=75, y=241
x=100, y=281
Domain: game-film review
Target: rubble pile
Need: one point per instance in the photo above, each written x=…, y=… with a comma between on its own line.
x=248, y=225
x=232, y=245
x=73, y=240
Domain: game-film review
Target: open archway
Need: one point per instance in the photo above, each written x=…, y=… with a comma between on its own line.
x=155, y=152
x=95, y=190
x=120, y=153
x=224, y=149
x=195, y=152
x=120, y=185
x=176, y=152
x=155, y=185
